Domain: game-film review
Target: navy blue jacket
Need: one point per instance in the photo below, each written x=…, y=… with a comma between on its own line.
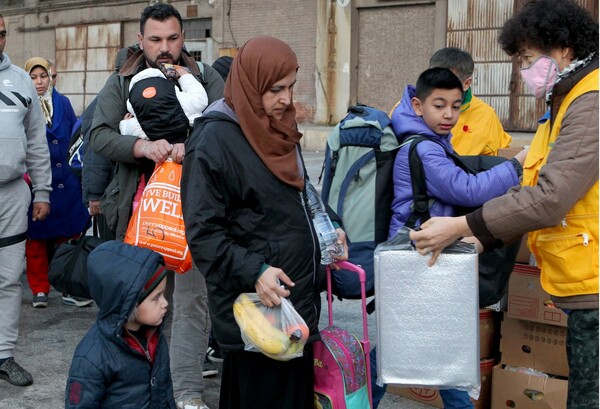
x=68, y=216
x=105, y=371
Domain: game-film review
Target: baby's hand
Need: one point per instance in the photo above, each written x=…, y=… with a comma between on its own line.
x=128, y=116
x=181, y=70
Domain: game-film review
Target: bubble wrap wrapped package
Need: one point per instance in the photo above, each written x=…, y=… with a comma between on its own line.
x=427, y=317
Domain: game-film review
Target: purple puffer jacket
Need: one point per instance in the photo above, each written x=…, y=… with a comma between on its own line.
x=446, y=182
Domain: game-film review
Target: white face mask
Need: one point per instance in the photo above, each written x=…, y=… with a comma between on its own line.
x=541, y=75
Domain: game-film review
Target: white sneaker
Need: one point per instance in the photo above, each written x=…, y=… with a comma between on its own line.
x=195, y=403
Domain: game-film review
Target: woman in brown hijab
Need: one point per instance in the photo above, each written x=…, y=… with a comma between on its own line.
x=248, y=224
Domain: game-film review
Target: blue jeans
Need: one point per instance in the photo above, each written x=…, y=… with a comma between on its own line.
x=452, y=398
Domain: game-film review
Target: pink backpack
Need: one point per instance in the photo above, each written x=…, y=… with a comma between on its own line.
x=341, y=367
x=340, y=371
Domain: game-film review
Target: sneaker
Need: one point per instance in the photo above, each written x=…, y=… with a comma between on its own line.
x=214, y=354
x=14, y=373
x=196, y=403
x=40, y=300
x=209, y=369
x=76, y=301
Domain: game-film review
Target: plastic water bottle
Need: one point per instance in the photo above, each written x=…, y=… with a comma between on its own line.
x=323, y=226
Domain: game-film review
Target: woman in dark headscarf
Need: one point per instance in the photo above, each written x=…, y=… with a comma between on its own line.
x=248, y=223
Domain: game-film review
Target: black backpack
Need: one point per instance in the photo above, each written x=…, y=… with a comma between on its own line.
x=495, y=265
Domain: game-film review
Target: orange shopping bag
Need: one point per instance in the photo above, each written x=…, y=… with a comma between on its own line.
x=157, y=223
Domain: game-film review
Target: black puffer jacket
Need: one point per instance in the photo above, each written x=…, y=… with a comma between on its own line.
x=238, y=216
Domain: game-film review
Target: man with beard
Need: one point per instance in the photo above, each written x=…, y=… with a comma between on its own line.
x=161, y=40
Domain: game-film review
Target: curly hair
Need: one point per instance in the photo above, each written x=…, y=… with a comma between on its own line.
x=548, y=24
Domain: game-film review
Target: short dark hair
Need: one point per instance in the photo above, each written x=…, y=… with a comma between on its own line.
x=159, y=12
x=548, y=24
x=436, y=78
x=454, y=59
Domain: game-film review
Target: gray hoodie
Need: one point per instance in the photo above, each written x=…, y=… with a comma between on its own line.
x=22, y=132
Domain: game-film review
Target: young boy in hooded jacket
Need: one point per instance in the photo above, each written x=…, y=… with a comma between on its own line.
x=123, y=360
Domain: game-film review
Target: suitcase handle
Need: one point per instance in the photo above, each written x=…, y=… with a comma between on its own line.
x=366, y=344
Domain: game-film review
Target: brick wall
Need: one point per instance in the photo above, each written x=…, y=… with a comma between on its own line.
x=293, y=21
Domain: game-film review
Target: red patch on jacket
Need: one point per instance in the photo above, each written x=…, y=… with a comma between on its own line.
x=466, y=128
x=75, y=393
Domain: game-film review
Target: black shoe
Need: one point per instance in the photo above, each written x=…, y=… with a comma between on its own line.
x=214, y=354
x=14, y=373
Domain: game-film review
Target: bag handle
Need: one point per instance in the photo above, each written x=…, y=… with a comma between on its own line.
x=73, y=260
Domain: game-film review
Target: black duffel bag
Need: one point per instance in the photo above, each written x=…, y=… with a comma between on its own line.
x=67, y=272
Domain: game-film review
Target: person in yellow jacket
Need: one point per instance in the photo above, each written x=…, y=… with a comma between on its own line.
x=557, y=43
x=478, y=130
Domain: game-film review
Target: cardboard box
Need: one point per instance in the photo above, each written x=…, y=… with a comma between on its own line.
x=528, y=301
x=489, y=333
x=534, y=345
x=522, y=391
x=508, y=152
x=432, y=397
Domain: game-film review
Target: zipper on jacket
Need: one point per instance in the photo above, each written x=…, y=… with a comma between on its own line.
x=563, y=223
x=586, y=239
x=309, y=219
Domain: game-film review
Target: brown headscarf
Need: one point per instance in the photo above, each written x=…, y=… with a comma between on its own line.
x=259, y=64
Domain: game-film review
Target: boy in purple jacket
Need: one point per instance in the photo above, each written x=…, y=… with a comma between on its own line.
x=431, y=110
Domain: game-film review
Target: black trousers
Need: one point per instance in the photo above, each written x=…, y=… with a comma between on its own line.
x=252, y=380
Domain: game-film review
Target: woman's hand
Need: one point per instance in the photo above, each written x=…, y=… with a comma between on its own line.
x=438, y=233
x=344, y=243
x=268, y=286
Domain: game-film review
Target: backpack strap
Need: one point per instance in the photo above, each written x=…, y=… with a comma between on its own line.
x=200, y=65
x=421, y=201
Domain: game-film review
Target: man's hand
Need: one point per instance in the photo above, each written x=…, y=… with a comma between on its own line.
x=94, y=207
x=157, y=151
x=178, y=152
x=268, y=286
x=40, y=211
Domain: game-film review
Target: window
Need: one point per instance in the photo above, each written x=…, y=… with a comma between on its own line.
x=198, y=28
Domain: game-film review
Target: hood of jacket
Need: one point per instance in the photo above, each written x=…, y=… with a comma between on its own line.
x=406, y=122
x=5, y=62
x=117, y=273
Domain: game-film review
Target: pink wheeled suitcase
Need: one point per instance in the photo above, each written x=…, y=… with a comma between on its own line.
x=341, y=361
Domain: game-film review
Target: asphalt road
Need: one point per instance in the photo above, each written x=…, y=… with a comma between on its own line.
x=49, y=336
